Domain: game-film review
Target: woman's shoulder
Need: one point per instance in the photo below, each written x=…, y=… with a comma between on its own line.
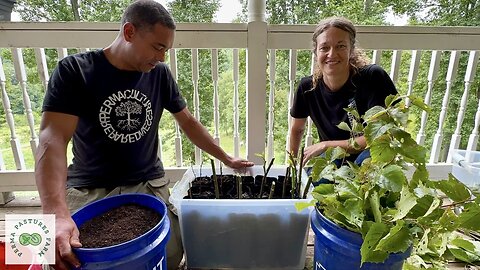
x=372, y=70
x=306, y=83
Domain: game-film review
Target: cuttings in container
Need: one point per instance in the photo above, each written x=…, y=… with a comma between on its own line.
x=118, y=225
x=231, y=186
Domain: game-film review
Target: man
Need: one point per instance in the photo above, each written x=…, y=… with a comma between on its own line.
x=110, y=102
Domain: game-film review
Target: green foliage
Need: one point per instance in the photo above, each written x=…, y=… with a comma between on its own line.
x=391, y=211
x=193, y=10
x=361, y=12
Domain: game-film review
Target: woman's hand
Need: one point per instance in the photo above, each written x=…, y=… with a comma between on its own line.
x=313, y=151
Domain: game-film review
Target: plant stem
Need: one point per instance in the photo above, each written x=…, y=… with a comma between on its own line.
x=375, y=205
x=215, y=182
x=457, y=203
x=287, y=173
x=239, y=186
x=272, y=190
x=299, y=183
x=265, y=177
x=293, y=173
x=307, y=187
x=190, y=190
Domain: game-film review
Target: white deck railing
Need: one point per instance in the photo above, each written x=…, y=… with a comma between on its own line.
x=388, y=45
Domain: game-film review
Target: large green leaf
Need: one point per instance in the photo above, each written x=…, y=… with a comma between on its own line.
x=302, y=205
x=398, y=239
x=353, y=111
x=344, y=126
x=422, y=246
x=438, y=242
x=434, y=206
x=465, y=244
x=345, y=173
x=454, y=189
x=381, y=151
x=463, y=255
x=408, y=147
x=432, y=218
x=373, y=113
x=338, y=153
x=422, y=206
x=376, y=129
x=465, y=250
x=419, y=103
x=319, y=163
x=324, y=189
x=400, y=115
x=407, y=202
x=414, y=262
x=368, y=250
x=375, y=206
x=390, y=99
x=392, y=178
x=419, y=176
x=348, y=188
x=352, y=210
x=449, y=220
x=470, y=217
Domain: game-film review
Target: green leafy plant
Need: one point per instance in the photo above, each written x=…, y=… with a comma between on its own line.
x=390, y=209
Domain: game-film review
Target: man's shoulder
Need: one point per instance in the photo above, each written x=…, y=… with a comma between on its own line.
x=162, y=68
x=81, y=59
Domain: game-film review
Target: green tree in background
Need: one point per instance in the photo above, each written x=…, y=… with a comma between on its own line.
x=361, y=12
x=187, y=11
x=369, y=12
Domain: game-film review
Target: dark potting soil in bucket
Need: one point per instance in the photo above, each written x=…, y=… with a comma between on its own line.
x=146, y=251
x=337, y=248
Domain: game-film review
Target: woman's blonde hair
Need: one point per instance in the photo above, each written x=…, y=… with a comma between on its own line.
x=357, y=57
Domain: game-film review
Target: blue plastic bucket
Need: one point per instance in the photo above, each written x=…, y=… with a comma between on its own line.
x=339, y=248
x=147, y=251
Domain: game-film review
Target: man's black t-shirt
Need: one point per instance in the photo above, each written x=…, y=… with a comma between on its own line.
x=367, y=88
x=116, y=139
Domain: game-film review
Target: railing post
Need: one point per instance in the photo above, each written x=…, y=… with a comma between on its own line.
x=256, y=79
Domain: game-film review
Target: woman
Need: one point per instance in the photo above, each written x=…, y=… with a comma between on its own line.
x=342, y=79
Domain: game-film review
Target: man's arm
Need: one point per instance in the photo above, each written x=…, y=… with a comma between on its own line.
x=199, y=135
x=56, y=130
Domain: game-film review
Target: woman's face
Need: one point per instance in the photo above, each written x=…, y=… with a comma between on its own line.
x=333, y=52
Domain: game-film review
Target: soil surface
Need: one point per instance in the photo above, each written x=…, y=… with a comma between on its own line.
x=229, y=187
x=118, y=225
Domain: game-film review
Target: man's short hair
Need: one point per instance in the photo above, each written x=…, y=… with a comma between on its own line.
x=144, y=14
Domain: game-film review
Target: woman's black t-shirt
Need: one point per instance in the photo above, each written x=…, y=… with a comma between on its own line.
x=367, y=88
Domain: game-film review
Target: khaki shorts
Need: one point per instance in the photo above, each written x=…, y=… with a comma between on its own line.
x=78, y=197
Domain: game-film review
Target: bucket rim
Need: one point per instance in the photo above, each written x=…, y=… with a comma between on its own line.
x=158, y=227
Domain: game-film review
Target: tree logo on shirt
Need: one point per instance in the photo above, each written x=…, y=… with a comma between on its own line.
x=130, y=110
x=126, y=116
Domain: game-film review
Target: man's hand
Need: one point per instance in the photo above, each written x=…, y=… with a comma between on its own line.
x=238, y=163
x=66, y=237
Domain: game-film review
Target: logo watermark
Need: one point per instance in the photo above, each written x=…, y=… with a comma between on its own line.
x=30, y=239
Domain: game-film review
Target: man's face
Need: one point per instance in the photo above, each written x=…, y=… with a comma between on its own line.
x=147, y=47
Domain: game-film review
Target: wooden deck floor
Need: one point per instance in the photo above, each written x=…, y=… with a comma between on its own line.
x=31, y=205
